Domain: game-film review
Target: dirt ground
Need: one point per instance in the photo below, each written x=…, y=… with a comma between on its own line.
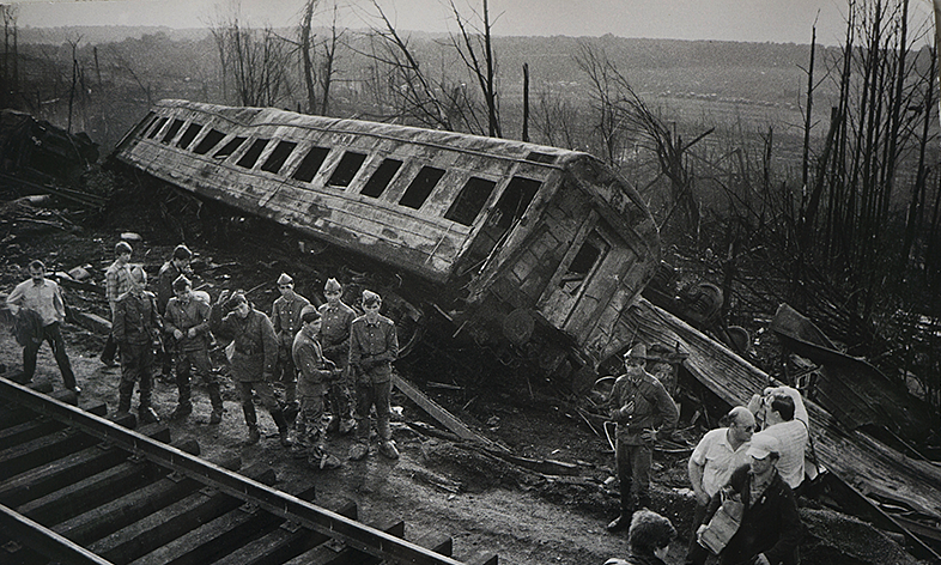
x=484, y=502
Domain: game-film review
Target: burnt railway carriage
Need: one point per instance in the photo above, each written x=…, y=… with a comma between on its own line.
x=530, y=248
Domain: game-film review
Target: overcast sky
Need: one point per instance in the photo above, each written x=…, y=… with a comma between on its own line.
x=781, y=21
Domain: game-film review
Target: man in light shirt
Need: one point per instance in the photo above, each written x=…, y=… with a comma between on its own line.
x=43, y=298
x=720, y=452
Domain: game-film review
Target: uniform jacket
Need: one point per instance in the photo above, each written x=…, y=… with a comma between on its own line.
x=135, y=318
x=313, y=369
x=771, y=525
x=193, y=313
x=165, y=277
x=286, y=318
x=256, y=346
x=373, y=347
x=335, y=331
x=653, y=408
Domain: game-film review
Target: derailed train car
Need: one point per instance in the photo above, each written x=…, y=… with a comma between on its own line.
x=532, y=250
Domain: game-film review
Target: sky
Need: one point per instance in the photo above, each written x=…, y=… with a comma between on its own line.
x=777, y=21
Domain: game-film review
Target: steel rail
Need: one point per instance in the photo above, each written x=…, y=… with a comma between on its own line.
x=45, y=541
x=354, y=534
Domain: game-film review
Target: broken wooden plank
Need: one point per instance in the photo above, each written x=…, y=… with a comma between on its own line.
x=437, y=412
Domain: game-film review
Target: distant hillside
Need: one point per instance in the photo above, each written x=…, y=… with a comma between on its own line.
x=103, y=34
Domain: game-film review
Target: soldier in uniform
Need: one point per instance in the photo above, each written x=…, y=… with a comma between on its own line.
x=643, y=411
x=314, y=373
x=253, y=359
x=335, y=340
x=286, y=319
x=187, y=322
x=373, y=347
x=136, y=326
x=170, y=271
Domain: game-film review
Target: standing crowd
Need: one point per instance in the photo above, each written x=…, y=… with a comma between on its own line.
x=333, y=361
x=323, y=358
x=743, y=475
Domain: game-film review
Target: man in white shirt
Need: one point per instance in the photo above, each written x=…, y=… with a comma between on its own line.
x=43, y=298
x=792, y=435
x=718, y=453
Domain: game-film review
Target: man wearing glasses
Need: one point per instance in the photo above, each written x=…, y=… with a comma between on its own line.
x=644, y=412
x=720, y=452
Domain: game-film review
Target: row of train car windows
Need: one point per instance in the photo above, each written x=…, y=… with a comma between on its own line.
x=464, y=210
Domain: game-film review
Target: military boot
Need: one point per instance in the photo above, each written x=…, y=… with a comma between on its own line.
x=283, y=429
x=124, y=401
x=184, y=407
x=147, y=415
x=215, y=398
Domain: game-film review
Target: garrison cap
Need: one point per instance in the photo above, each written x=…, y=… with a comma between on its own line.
x=370, y=298
x=181, y=282
x=332, y=285
x=182, y=252
x=309, y=314
x=285, y=279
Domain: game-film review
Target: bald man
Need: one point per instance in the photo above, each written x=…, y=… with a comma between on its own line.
x=720, y=452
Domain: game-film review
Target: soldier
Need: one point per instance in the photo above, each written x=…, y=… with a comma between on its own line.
x=41, y=301
x=286, y=319
x=335, y=340
x=643, y=411
x=187, y=321
x=170, y=271
x=255, y=351
x=136, y=326
x=373, y=347
x=117, y=282
x=314, y=372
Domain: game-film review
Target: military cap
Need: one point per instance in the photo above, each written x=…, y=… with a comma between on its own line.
x=309, y=314
x=182, y=252
x=181, y=282
x=122, y=247
x=639, y=351
x=370, y=298
x=332, y=285
x=285, y=279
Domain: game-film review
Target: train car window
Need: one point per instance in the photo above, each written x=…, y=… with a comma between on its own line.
x=516, y=198
x=145, y=124
x=538, y=157
x=171, y=133
x=418, y=191
x=229, y=148
x=349, y=164
x=581, y=267
x=211, y=140
x=470, y=201
x=189, y=135
x=251, y=156
x=310, y=164
x=276, y=160
x=158, y=127
x=380, y=179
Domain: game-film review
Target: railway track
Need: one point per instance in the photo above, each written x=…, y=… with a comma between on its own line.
x=76, y=488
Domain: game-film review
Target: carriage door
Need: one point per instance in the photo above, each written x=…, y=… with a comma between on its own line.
x=580, y=267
